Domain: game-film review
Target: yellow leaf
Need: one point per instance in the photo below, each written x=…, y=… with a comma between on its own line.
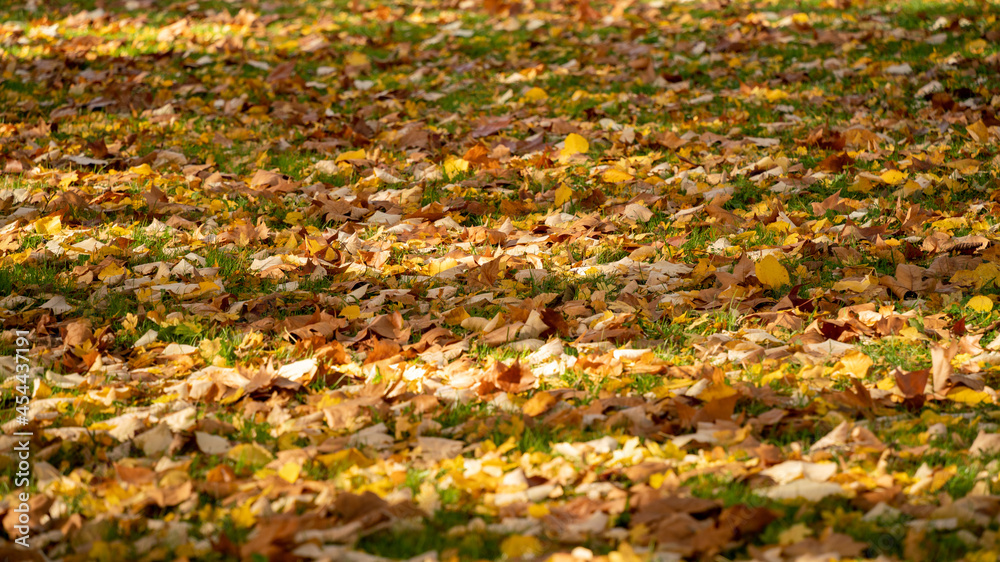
x=538, y=510
x=539, y=404
x=346, y=457
x=965, y=166
x=616, y=176
x=68, y=180
x=243, y=516
x=516, y=546
x=112, y=270
x=980, y=303
x=911, y=187
x=143, y=170
x=358, y=154
x=941, y=477
x=861, y=186
x=452, y=165
x=434, y=268
x=716, y=392
x=575, y=144
x=642, y=253
x=294, y=218
x=771, y=273
x=455, y=316
x=130, y=322
x=250, y=454
x=775, y=95
x=206, y=286
x=893, y=177
x=48, y=226
x=656, y=480
x=794, y=534
x=977, y=46
x=856, y=364
x=563, y=194
x=949, y=224
x=966, y=395
x=290, y=472
x=986, y=273
x=885, y=383
x=773, y=377
x=979, y=132
x=855, y=285
x=535, y=94
x=350, y=312
x=356, y=59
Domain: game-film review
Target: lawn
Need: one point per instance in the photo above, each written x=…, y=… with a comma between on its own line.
x=457, y=280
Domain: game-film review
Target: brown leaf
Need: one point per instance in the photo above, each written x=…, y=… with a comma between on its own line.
x=490, y=126
x=281, y=72
x=34, y=508
x=539, y=404
x=479, y=155
x=829, y=542
x=912, y=385
x=513, y=378
x=744, y=521
x=670, y=140
x=170, y=496
x=134, y=475
x=383, y=349
x=985, y=444
x=834, y=164
x=77, y=332
x=941, y=368
x=154, y=198
x=20, y=554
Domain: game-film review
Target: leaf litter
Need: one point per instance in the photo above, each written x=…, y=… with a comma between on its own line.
x=444, y=281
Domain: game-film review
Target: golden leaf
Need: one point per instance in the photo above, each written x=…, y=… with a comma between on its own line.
x=48, y=226
x=575, y=144
x=563, y=194
x=454, y=165
x=539, y=404
x=616, y=176
x=356, y=59
x=856, y=363
x=535, y=94
x=358, y=154
x=979, y=132
x=966, y=395
x=143, y=170
x=251, y=454
x=980, y=303
x=290, y=471
x=455, y=316
x=516, y=546
x=794, y=534
x=893, y=177
x=771, y=273
x=112, y=270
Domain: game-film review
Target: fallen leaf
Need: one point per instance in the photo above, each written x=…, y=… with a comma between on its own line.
x=771, y=273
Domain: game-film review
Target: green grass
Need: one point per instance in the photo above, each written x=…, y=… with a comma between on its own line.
x=440, y=68
x=399, y=543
